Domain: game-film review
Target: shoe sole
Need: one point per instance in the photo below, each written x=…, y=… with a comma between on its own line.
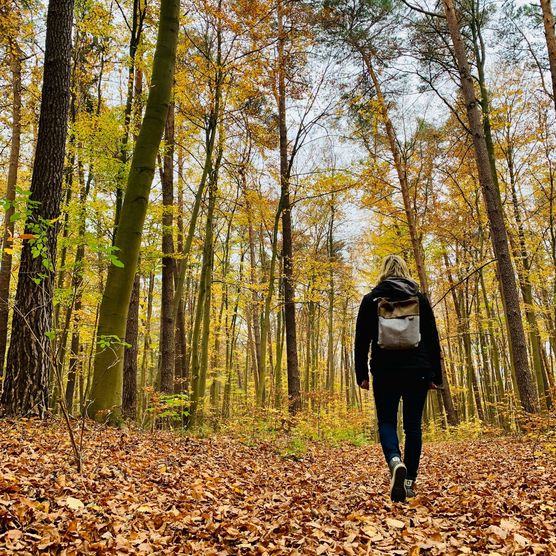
x=397, y=486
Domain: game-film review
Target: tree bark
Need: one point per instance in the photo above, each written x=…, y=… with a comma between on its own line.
x=129, y=389
x=265, y=324
x=254, y=307
x=106, y=391
x=180, y=366
x=491, y=195
x=167, y=322
x=294, y=387
x=330, y=346
x=130, y=405
x=30, y=352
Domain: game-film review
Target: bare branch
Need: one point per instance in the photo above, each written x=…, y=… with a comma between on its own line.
x=422, y=11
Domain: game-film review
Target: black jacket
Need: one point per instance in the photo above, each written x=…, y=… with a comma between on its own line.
x=424, y=358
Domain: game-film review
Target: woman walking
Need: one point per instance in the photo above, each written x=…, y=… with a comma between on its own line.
x=397, y=322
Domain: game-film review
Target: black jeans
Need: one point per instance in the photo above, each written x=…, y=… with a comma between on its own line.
x=388, y=391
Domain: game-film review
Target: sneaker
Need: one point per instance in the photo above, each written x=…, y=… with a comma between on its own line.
x=398, y=472
x=409, y=492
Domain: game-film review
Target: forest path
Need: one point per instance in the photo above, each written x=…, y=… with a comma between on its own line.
x=160, y=493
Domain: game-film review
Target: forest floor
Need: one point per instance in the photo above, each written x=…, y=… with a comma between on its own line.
x=161, y=493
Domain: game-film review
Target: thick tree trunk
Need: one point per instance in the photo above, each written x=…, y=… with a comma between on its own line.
x=30, y=353
x=106, y=391
x=294, y=387
x=75, y=95
x=167, y=322
x=6, y=265
x=508, y=287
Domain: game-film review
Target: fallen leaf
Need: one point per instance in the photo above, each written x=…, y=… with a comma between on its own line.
x=396, y=523
x=521, y=540
x=74, y=503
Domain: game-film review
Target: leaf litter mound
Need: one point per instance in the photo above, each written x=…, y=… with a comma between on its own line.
x=160, y=493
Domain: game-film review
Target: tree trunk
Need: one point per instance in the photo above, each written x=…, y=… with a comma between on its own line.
x=30, y=352
x=265, y=324
x=294, y=387
x=499, y=236
x=167, y=322
x=330, y=346
x=202, y=315
x=6, y=265
x=278, y=368
x=75, y=95
x=230, y=344
x=130, y=404
x=180, y=374
x=129, y=389
x=254, y=307
x=106, y=391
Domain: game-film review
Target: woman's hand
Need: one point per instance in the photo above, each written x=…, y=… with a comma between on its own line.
x=364, y=384
x=433, y=386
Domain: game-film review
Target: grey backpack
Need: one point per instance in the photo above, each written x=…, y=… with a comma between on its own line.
x=398, y=323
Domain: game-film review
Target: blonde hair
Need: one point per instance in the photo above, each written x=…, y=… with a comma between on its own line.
x=393, y=266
